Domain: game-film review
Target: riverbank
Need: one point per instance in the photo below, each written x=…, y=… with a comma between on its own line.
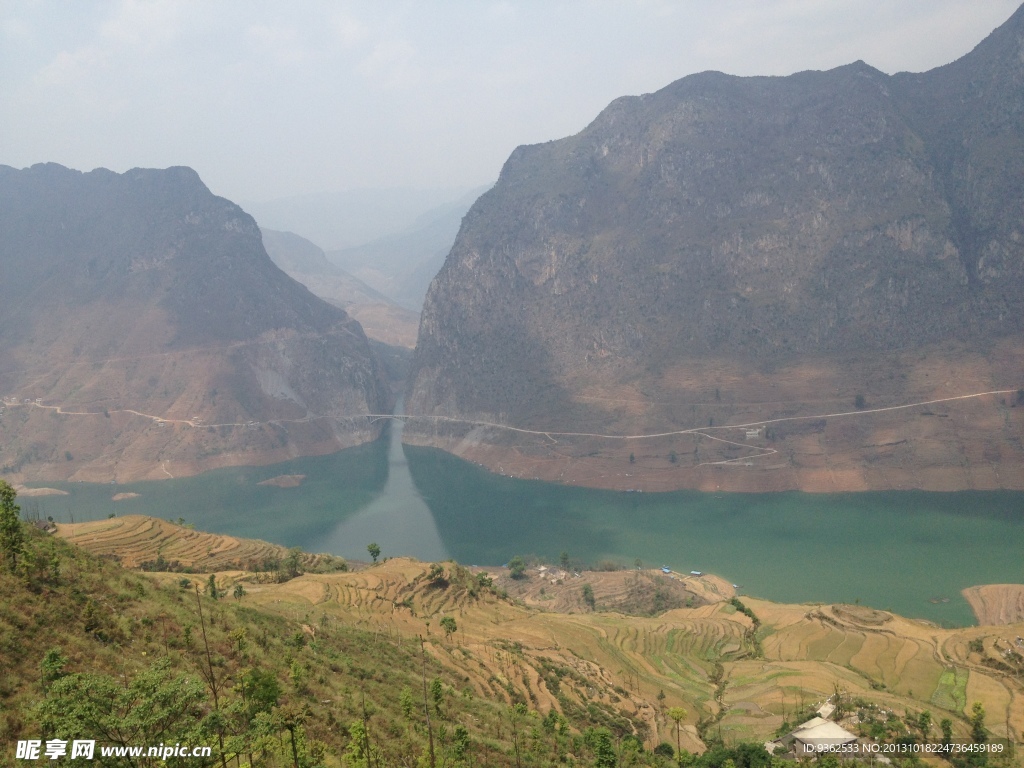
x=996, y=604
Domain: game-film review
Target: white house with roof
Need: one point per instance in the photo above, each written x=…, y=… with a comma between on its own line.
x=811, y=738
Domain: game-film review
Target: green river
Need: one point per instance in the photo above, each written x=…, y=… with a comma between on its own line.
x=910, y=552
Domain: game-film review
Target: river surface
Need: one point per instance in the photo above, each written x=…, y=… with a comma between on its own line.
x=907, y=551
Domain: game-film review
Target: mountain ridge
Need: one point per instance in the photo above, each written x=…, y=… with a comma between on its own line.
x=138, y=308
x=763, y=223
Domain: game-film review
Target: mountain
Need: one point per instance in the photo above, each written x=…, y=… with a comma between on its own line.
x=733, y=251
x=402, y=265
x=145, y=332
x=381, y=318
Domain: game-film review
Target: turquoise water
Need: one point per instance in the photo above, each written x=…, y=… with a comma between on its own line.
x=906, y=551
x=231, y=501
x=892, y=550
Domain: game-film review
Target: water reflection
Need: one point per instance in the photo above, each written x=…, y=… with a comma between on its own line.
x=398, y=520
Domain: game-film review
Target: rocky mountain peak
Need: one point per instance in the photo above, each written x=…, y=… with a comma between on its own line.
x=762, y=220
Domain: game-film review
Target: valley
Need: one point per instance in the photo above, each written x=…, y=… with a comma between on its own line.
x=704, y=421
x=429, y=504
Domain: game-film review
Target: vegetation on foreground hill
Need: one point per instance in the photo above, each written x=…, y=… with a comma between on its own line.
x=407, y=663
x=94, y=651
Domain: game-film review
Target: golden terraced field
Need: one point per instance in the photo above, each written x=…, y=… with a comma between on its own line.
x=137, y=539
x=623, y=662
x=706, y=658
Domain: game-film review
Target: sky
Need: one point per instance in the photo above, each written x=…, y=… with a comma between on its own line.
x=269, y=100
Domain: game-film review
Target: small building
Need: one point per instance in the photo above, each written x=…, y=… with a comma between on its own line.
x=813, y=737
x=810, y=740
x=753, y=433
x=696, y=573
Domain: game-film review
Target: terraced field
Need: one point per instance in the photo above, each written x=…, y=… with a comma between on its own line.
x=630, y=669
x=701, y=658
x=135, y=540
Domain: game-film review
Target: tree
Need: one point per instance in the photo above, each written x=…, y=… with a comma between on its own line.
x=859, y=402
x=448, y=625
x=632, y=458
x=436, y=576
x=677, y=714
x=460, y=742
x=12, y=537
x=664, y=750
x=516, y=713
x=437, y=694
x=239, y=592
x=924, y=724
x=947, y=730
x=211, y=587
x=517, y=566
x=374, y=550
x=604, y=752
x=588, y=596
x=52, y=666
x=563, y=560
x=838, y=697
x=293, y=562
x=406, y=702
x=978, y=733
x=260, y=690
x=157, y=706
x=359, y=753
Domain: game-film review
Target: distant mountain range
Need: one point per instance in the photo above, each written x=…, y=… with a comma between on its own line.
x=402, y=265
x=735, y=250
x=144, y=332
x=381, y=318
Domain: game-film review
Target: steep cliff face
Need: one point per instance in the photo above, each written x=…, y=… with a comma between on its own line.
x=138, y=298
x=841, y=215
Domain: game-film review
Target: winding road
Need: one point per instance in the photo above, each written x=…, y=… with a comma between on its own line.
x=549, y=434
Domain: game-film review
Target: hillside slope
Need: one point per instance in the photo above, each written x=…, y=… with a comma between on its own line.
x=736, y=250
x=741, y=679
x=146, y=332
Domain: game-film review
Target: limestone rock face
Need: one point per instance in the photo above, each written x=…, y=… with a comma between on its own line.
x=130, y=299
x=760, y=220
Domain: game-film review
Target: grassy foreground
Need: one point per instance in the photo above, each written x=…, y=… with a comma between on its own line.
x=329, y=668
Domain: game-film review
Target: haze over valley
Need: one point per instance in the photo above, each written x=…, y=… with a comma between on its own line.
x=471, y=385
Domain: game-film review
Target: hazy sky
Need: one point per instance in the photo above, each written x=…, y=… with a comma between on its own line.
x=272, y=99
